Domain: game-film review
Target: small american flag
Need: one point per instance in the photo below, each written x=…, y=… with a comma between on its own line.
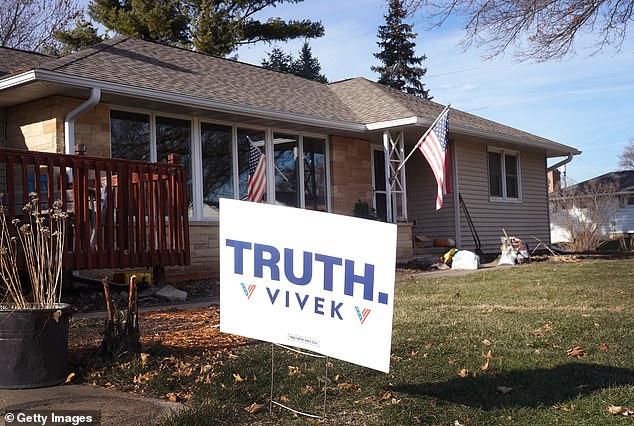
x=257, y=175
x=434, y=148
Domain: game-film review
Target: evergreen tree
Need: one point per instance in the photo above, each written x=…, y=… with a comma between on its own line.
x=305, y=65
x=400, y=67
x=82, y=36
x=208, y=26
x=278, y=61
x=308, y=66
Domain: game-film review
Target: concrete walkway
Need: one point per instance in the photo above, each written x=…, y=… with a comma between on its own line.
x=114, y=407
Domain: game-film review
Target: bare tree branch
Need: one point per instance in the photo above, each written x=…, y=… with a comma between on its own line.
x=626, y=159
x=31, y=24
x=538, y=30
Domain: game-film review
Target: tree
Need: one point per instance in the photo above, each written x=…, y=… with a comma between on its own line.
x=627, y=156
x=82, y=36
x=584, y=213
x=400, y=67
x=31, y=24
x=305, y=65
x=278, y=60
x=540, y=30
x=208, y=26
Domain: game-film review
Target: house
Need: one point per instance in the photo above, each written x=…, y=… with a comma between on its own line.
x=612, y=194
x=128, y=98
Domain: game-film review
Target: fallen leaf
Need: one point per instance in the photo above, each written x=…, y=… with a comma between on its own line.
x=615, y=409
x=603, y=347
x=619, y=410
x=238, y=379
x=348, y=386
x=386, y=396
x=488, y=366
x=504, y=389
x=70, y=376
x=463, y=373
x=489, y=356
x=486, y=342
x=255, y=408
x=576, y=352
x=172, y=397
x=144, y=358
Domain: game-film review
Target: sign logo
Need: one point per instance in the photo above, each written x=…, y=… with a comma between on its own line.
x=362, y=314
x=248, y=291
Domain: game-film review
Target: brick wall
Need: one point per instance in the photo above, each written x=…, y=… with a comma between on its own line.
x=39, y=126
x=351, y=173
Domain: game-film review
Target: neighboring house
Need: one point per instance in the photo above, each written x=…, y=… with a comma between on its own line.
x=616, y=210
x=128, y=98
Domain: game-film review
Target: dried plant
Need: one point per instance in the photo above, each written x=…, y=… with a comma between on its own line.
x=41, y=236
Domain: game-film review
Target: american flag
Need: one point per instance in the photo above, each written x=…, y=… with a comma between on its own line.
x=257, y=175
x=434, y=148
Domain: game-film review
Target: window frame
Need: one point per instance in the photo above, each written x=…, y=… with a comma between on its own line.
x=196, y=122
x=503, y=153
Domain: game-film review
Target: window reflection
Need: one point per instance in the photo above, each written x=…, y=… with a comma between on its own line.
x=285, y=158
x=173, y=136
x=315, y=174
x=216, y=166
x=130, y=135
x=246, y=137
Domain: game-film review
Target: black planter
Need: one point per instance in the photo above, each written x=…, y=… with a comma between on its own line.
x=33, y=346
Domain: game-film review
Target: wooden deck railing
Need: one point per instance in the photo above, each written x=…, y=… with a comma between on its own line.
x=122, y=213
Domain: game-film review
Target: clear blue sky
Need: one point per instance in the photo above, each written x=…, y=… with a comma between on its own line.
x=585, y=102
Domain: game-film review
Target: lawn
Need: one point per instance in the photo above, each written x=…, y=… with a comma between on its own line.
x=546, y=343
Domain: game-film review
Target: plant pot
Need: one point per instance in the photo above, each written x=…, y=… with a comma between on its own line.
x=33, y=346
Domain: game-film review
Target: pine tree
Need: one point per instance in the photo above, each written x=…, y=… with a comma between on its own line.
x=305, y=65
x=308, y=66
x=82, y=36
x=278, y=61
x=208, y=26
x=400, y=67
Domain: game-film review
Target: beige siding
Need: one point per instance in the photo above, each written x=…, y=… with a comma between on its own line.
x=526, y=219
x=421, y=199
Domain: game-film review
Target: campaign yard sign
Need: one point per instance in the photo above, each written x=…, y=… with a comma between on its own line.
x=307, y=279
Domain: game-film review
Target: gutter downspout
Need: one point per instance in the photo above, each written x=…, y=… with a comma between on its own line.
x=69, y=121
x=561, y=163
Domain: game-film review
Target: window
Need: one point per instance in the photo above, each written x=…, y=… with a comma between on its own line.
x=217, y=165
x=130, y=135
x=246, y=138
x=173, y=136
x=285, y=158
x=216, y=159
x=504, y=177
x=315, y=174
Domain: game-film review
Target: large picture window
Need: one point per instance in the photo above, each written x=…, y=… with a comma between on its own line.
x=216, y=159
x=504, y=177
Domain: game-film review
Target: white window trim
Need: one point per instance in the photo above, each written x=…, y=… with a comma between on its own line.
x=504, y=199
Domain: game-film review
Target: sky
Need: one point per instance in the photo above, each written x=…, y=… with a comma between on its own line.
x=583, y=101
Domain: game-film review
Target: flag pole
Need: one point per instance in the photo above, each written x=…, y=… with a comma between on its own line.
x=422, y=138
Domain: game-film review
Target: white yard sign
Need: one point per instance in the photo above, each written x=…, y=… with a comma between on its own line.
x=313, y=280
